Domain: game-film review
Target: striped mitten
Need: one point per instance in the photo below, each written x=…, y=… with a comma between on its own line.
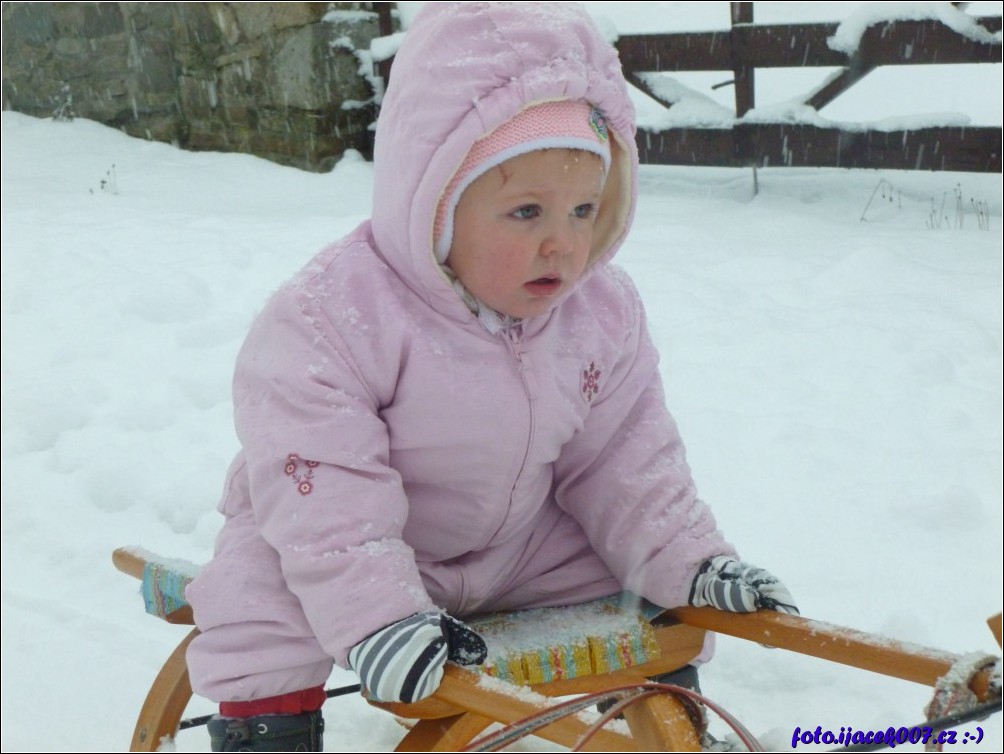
x=404, y=661
x=728, y=584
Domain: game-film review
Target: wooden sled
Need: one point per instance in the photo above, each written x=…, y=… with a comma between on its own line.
x=465, y=705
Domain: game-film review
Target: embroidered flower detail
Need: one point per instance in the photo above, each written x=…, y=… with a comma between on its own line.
x=599, y=124
x=304, y=482
x=591, y=381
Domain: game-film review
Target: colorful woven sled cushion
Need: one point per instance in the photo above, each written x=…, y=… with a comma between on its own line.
x=554, y=643
x=164, y=583
x=524, y=647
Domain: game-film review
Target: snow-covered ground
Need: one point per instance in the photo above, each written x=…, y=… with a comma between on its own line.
x=834, y=362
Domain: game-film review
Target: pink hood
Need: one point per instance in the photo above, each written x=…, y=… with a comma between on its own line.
x=491, y=60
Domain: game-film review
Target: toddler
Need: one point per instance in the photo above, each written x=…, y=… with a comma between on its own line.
x=457, y=408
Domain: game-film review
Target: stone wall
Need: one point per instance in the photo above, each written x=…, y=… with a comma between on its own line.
x=279, y=80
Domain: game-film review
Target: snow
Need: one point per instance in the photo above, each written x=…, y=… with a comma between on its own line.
x=833, y=360
x=349, y=16
x=690, y=107
x=386, y=47
x=849, y=32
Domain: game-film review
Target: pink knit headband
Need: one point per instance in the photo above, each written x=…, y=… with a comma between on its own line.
x=563, y=124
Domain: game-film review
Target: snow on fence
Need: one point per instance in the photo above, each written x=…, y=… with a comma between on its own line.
x=858, y=46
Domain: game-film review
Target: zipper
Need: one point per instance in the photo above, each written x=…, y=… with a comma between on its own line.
x=513, y=339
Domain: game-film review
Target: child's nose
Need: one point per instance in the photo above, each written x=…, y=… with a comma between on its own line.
x=560, y=239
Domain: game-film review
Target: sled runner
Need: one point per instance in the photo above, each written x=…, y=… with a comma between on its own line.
x=601, y=647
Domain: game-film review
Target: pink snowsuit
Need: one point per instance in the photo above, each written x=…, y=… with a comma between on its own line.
x=398, y=457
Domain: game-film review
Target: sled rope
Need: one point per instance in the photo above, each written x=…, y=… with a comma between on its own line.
x=623, y=697
x=691, y=701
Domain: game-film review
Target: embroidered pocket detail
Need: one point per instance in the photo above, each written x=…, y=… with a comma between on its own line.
x=590, y=386
x=304, y=481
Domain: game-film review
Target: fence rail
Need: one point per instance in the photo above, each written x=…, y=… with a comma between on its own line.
x=972, y=150
x=746, y=47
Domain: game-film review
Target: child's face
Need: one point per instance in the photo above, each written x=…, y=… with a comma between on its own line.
x=523, y=230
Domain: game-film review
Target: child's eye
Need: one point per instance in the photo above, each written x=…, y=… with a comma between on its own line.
x=529, y=212
x=584, y=211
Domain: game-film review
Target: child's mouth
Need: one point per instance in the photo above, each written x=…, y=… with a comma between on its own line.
x=544, y=286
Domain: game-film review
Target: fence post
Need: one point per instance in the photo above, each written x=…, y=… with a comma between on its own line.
x=743, y=146
x=742, y=13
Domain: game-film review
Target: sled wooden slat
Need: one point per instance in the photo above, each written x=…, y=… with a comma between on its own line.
x=444, y=733
x=995, y=623
x=463, y=689
x=165, y=702
x=128, y=562
x=845, y=646
x=660, y=723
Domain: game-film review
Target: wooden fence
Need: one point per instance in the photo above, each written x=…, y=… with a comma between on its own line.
x=746, y=46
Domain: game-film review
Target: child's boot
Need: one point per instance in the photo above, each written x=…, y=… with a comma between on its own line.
x=303, y=732
x=288, y=722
